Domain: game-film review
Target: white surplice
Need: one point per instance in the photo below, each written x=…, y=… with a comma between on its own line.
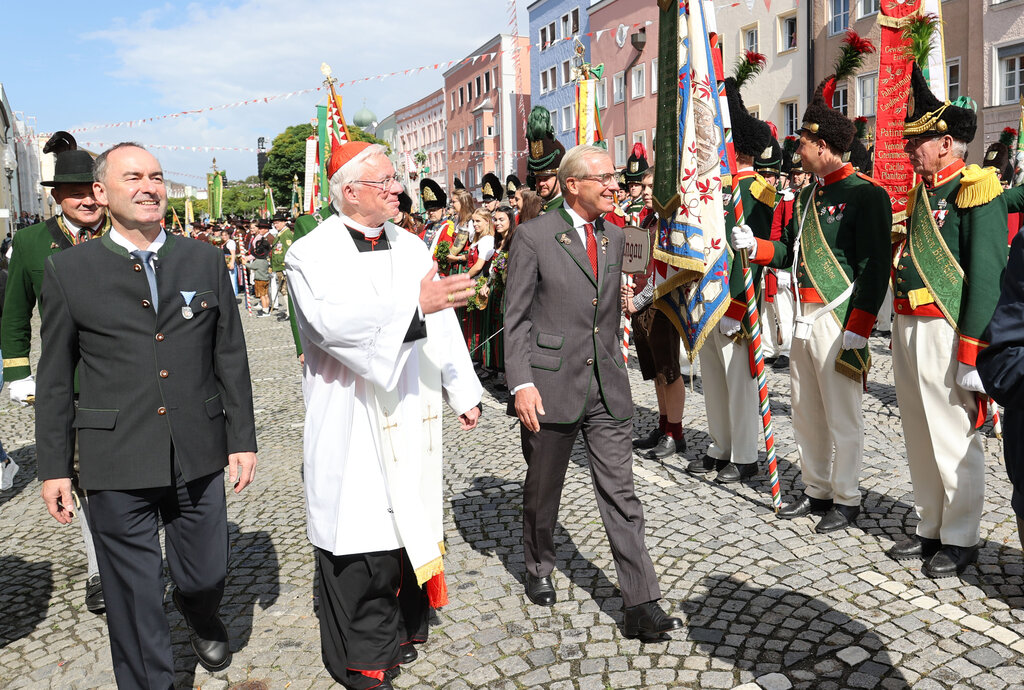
x=353, y=311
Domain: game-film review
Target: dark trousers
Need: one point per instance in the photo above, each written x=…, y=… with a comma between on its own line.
x=370, y=606
x=125, y=527
x=610, y=451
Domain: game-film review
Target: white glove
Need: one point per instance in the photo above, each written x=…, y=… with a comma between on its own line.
x=22, y=390
x=968, y=379
x=743, y=238
x=853, y=341
x=785, y=279
x=728, y=326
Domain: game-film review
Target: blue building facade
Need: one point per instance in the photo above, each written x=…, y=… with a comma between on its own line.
x=551, y=59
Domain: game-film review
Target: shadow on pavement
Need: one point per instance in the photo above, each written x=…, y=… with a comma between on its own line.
x=801, y=636
x=488, y=516
x=25, y=589
x=252, y=580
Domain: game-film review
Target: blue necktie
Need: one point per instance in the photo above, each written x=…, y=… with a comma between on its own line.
x=145, y=257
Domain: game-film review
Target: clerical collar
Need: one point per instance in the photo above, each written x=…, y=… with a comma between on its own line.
x=946, y=174
x=122, y=241
x=837, y=175
x=368, y=232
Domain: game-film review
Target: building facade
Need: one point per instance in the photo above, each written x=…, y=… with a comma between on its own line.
x=1002, y=67
x=553, y=25
x=626, y=43
x=485, y=106
x=10, y=207
x=779, y=94
x=420, y=129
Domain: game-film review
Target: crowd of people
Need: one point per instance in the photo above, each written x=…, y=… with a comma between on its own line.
x=144, y=396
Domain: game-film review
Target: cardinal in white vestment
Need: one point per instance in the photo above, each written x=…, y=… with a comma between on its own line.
x=383, y=349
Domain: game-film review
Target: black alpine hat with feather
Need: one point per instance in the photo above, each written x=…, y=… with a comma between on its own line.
x=636, y=164
x=820, y=118
x=791, y=161
x=928, y=116
x=72, y=166
x=545, y=151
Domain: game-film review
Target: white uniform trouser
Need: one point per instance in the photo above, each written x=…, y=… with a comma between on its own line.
x=827, y=414
x=884, y=319
x=947, y=460
x=730, y=399
x=777, y=324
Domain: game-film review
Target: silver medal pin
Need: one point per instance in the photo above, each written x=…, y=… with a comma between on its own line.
x=186, y=311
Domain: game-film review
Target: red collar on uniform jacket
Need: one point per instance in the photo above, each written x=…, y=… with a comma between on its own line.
x=946, y=174
x=743, y=174
x=838, y=175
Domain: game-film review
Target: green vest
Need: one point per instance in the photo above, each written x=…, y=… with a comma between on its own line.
x=281, y=245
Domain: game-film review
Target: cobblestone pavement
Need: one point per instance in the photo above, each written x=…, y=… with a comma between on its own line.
x=763, y=601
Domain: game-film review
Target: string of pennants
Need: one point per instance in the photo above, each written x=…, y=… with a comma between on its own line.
x=472, y=59
x=172, y=147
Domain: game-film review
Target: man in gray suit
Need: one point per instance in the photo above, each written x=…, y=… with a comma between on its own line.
x=148, y=322
x=567, y=374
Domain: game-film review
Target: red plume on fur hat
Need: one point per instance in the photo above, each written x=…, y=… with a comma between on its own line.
x=851, y=57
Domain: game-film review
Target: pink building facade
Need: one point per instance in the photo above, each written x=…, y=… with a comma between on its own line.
x=420, y=128
x=628, y=97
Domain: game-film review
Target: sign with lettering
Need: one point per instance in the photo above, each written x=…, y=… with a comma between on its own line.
x=636, y=255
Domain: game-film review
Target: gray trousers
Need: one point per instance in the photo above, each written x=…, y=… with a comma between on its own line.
x=610, y=452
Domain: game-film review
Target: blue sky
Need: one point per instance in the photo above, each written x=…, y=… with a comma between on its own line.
x=80, y=65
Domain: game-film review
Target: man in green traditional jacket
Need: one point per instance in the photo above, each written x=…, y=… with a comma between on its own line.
x=283, y=238
x=947, y=283
x=837, y=244
x=730, y=392
x=81, y=219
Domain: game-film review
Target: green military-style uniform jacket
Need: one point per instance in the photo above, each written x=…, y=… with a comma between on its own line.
x=1014, y=199
x=758, y=198
x=632, y=210
x=951, y=264
x=553, y=204
x=282, y=243
x=848, y=225
x=31, y=247
x=304, y=225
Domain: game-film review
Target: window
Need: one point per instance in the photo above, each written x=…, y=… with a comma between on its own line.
x=619, y=87
x=640, y=138
x=790, y=118
x=462, y=140
x=953, y=78
x=1011, y=72
x=547, y=35
x=620, y=151
x=750, y=39
x=568, y=121
x=462, y=96
x=469, y=134
x=868, y=7
x=455, y=141
x=755, y=111
x=839, y=99
x=547, y=80
x=867, y=86
x=566, y=72
x=479, y=172
x=478, y=91
x=570, y=23
x=453, y=100
x=602, y=94
x=490, y=130
x=787, y=33
x=554, y=119
x=479, y=126
x=639, y=81
x=839, y=16
x=654, y=75
x=487, y=81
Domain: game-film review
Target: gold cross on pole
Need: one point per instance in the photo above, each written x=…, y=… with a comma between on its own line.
x=428, y=419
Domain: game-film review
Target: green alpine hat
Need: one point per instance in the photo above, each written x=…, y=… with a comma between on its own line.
x=72, y=167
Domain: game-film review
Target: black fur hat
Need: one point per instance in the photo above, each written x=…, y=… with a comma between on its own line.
x=750, y=136
x=432, y=194
x=491, y=188
x=825, y=122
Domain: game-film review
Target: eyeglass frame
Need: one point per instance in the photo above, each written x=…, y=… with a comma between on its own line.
x=383, y=185
x=606, y=180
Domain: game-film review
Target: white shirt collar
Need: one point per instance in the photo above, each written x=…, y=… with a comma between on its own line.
x=75, y=229
x=123, y=241
x=577, y=220
x=368, y=232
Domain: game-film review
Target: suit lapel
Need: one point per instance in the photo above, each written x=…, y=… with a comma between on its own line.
x=569, y=240
x=602, y=250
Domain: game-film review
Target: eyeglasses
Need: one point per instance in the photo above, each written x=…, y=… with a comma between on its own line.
x=607, y=179
x=383, y=185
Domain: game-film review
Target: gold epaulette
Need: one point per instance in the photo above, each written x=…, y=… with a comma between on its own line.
x=762, y=191
x=978, y=186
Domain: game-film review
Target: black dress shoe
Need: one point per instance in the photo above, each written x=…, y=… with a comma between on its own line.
x=210, y=642
x=914, y=547
x=540, y=590
x=665, y=447
x=732, y=473
x=648, y=622
x=950, y=560
x=770, y=360
x=407, y=654
x=94, y=595
x=840, y=517
x=805, y=505
x=648, y=441
x=705, y=464
x=781, y=363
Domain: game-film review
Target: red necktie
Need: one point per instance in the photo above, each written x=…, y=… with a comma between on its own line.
x=591, y=247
